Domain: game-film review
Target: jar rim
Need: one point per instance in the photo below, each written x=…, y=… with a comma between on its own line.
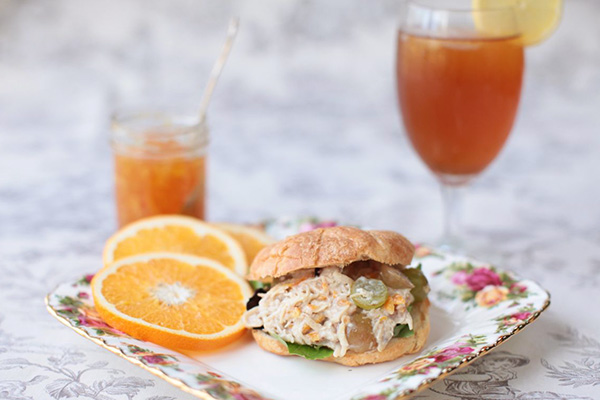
x=134, y=128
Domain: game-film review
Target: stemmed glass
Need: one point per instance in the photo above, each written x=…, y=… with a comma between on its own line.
x=459, y=85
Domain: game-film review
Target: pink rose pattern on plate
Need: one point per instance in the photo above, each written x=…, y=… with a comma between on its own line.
x=422, y=251
x=81, y=314
x=440, y=358
x=312, y=225
x=506, y=322
x=482, y=285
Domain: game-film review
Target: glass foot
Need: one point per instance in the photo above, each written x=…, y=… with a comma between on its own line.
x=452, y=245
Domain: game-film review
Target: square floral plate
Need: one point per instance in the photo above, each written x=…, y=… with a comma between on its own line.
x=475, y=307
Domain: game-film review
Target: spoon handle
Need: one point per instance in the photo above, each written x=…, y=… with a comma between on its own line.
x=234, y=24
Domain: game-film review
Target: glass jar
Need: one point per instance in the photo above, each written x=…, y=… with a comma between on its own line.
x=160, y=165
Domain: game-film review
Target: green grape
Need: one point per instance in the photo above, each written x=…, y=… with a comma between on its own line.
x=369, y=293
x=415, y=275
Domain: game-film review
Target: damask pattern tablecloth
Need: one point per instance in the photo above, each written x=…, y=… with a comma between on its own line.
x=303, y=123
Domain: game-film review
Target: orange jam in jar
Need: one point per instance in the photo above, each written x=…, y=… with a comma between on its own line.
x=160, y=166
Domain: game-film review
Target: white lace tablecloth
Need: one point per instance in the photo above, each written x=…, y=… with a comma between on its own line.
x=303, y=122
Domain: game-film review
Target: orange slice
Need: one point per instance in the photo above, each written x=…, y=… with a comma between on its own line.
x=176, y=234
x=251, y=239
x=174, y=300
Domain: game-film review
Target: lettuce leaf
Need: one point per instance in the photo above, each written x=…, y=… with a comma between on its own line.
x=416, y=276
x=403, y=331
x=259, y=285
x=309, y=352
x=304, y=350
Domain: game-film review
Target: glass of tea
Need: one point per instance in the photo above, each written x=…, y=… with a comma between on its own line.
x=159, y=164
x=459, y=86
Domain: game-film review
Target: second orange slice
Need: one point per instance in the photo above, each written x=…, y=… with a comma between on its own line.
x=252, y=239
x=176, y=234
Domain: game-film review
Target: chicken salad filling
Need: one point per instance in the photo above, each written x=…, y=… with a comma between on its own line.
x=355, y=309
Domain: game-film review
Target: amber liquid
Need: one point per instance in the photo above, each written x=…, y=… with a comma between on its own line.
x=147, y=184
x=458, y=98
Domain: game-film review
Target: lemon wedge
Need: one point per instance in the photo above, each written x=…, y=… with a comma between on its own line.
x=537, y=19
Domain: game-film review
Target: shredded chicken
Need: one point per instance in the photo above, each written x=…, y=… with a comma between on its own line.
x=317, y=311
x=394, y=312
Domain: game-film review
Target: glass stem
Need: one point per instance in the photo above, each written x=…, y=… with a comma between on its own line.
x=452, y=198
